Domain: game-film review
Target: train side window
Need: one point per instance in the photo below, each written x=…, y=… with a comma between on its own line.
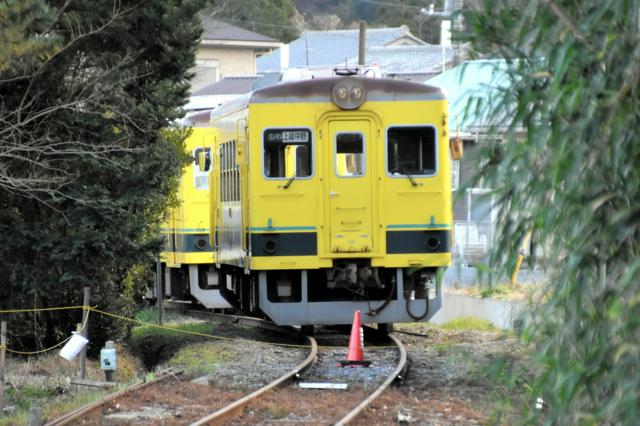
x=287, y=153
x=202, y=159
x=411, y=150
x=229, y=172
x=350, y=156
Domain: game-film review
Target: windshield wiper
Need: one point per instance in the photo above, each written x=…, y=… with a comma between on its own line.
x=289, y=182
x=401, y=170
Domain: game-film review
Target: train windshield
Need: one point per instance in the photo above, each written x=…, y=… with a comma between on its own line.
x=350, y=160
x=411, y=151
x=287, y=153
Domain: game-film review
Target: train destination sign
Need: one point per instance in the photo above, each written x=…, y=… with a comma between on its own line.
x=287, y=136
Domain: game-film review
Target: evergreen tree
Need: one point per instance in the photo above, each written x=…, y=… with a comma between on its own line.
x=86, y=89
x=273, y=18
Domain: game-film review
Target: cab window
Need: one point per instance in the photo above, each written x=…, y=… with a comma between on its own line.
x=411, y=151
x=350, y=157
x=287, y=153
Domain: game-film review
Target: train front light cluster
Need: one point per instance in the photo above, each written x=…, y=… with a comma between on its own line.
x=348, y=93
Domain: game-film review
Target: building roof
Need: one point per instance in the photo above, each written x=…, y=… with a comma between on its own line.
x=418, y=77
x=470, y=89
x=334, y=47
x=408, y=59
x=232, y=85
x=214, y=29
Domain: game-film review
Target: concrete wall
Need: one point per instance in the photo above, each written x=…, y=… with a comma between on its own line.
x=231, y=61
x=501, y=313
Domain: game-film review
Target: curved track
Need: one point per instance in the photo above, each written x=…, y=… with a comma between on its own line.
x=81, y=412
x=402, y=364
x=234, y=408
x=321, y=405
x=220, y=416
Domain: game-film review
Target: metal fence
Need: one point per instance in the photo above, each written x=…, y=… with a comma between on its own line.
x=473, y=226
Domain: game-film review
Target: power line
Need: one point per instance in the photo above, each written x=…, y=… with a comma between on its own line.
x=383, y=3
x=255, y=23
x=349, y=36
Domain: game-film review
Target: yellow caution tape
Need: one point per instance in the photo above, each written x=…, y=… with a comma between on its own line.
x=13, y=351
x=196, y=333
x=62, y=308
x=149, y=324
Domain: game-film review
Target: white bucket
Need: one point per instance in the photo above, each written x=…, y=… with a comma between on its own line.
x=73, y=347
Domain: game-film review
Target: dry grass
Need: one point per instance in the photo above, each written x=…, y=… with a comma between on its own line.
x=44, y=381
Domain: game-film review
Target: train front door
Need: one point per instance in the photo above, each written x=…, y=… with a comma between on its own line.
x=350, y=179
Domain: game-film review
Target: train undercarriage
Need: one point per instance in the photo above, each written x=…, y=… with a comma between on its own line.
x=313, y=297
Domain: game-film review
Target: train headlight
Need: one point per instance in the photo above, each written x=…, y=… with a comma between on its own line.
x=356, y=93
x=349, y=93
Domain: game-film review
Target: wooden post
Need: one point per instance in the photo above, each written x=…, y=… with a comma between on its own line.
x=85, y=331
x=159, y=292
x=35, y=416
x=3, y=344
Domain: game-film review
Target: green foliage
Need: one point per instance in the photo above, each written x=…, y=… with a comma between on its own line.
x=155, y=345
x=25, y=396
x=147, y=315
x=379, y=14
x=469, y=323
x=574, y=180
x=273, y=18
x=86, y=168
x=494, y=291
x=200, y=359
x=406, y=12
x=58, y=407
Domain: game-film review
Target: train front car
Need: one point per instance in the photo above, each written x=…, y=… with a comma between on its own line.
x=344, y=201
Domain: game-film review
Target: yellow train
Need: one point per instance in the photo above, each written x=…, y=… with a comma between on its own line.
x=188, y=259
x=329, y=195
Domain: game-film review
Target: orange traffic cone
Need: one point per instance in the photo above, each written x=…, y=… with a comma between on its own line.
x=355, y=356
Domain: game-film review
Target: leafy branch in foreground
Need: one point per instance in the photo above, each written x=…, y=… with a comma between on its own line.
x=574, y=181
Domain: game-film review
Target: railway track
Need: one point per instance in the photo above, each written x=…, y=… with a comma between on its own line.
x=221, y=403
x=298, y=403
x=78, y=414
x=195, y=405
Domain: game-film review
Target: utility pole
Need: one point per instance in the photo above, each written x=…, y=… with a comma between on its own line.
x=159, y=293
x=362, y=44
x=3, y=347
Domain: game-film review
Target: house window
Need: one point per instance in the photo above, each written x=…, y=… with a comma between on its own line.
x=350, y=156
x=287, y=153
x=411, y=150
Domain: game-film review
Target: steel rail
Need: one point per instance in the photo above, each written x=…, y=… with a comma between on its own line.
x=240, y=319
x=396, y=373
x=223, y=415
x=86, y=409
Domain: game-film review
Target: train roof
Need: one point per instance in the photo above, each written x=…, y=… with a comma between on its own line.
x=197, y=118
x=319, y=90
